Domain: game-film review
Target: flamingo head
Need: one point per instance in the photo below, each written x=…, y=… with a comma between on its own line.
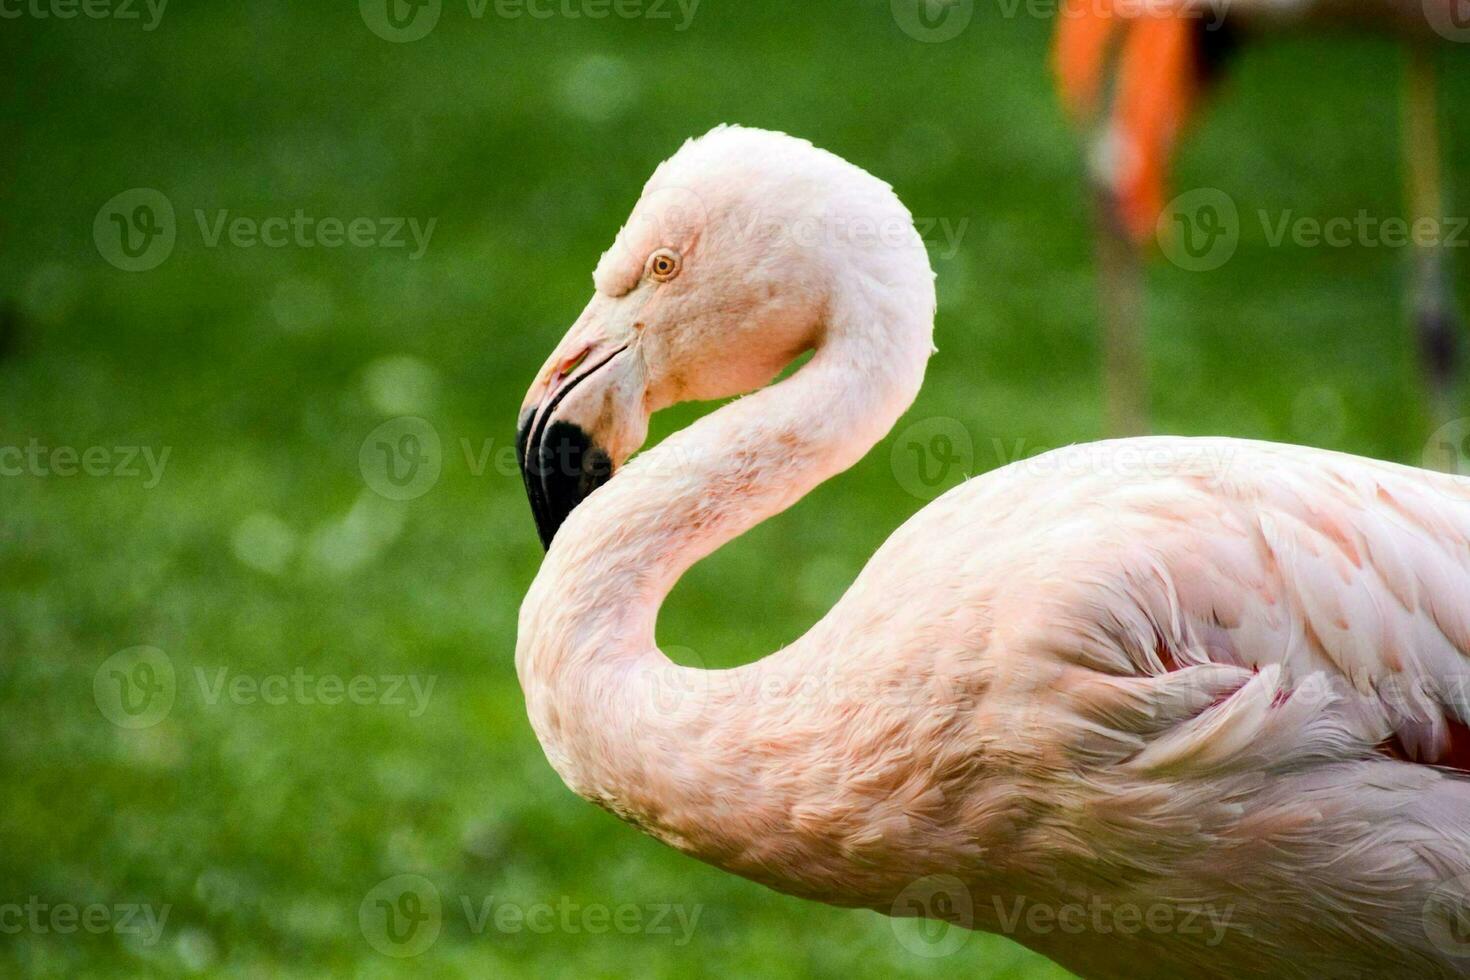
x=718, y=280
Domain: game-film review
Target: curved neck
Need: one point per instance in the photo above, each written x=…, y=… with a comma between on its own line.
x=657, y=743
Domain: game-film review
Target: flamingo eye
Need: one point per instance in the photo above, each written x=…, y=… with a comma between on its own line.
x=663, y=265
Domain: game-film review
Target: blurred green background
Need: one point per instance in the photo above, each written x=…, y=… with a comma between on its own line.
x=263, y=551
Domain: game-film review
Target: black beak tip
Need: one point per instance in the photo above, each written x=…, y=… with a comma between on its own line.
x=561, y=466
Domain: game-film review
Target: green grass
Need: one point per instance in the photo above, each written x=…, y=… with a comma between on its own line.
x=260, y=550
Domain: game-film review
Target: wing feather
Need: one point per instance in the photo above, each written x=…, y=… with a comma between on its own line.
x=1368, y=569
x=1295, y=563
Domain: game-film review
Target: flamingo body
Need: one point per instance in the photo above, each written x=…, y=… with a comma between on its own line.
x=1150, y=667
x=1211, y=679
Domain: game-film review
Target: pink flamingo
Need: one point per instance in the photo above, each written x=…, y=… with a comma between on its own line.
x=1160, y=673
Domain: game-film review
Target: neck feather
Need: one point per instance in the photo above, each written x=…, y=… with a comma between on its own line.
x=657, y=743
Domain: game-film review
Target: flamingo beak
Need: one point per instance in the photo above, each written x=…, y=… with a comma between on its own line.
x=581, y=418
x=562, y=469
x=560, y=462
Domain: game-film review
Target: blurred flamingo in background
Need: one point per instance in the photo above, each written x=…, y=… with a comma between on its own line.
x=1131, y=71
x=1215, y=681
